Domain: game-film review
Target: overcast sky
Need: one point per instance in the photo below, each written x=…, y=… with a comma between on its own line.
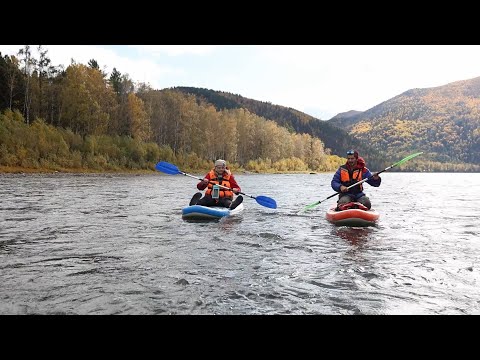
x=320, y=80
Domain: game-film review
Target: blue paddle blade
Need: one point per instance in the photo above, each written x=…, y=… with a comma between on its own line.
x=266, y=201
x=167, y=168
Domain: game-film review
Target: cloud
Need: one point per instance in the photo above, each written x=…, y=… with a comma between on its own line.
x=338, y=78
x=173, y=50
x=142, y=69
x=321, y=80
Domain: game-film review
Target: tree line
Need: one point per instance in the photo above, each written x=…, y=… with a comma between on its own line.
x=335, y=140
x=78, y=117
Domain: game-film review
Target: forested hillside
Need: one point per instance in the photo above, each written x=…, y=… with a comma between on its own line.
x=80, y=118
x=444, y=122
x=336, y=140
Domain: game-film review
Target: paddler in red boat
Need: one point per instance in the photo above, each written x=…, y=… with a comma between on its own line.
x=352, y=171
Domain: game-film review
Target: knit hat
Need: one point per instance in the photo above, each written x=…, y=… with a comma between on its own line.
x=220, y=162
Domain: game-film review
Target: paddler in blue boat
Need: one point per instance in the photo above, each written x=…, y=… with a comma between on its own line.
x=352, y=171
x=215, y=195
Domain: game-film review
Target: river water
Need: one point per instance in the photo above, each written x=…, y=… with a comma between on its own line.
x=116, y=244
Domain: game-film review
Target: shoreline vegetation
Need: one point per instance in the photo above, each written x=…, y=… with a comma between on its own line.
x=24, y=171
x=39, y=147
x=78, y=120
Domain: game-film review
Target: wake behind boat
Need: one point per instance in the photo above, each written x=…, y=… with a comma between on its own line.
x=200, y=212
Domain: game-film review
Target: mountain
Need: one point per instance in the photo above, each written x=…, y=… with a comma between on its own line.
x=347, y=114
x=334, y=139
x=443, y=121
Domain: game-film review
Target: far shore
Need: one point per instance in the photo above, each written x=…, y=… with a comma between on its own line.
x=22, y=170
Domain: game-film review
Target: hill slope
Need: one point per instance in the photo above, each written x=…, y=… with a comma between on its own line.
x=337, y=140
x=443, y=121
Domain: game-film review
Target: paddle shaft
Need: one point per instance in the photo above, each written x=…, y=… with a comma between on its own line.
x=171, y=169
x=358, y=183
x=366, y=179
x=212, y=182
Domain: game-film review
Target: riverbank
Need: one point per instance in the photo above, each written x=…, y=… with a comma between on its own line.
x=23, y=170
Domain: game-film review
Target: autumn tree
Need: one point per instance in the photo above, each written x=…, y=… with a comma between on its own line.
x=115, y=81
x=11, y=82
x=138, y=120
x=86, y=102
x=28, y=63
x=44, y=69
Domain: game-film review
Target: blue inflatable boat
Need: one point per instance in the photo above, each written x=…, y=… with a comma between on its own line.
x=199, y=212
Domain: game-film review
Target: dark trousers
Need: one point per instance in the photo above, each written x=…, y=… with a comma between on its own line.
x=346, y=198
x=207, y=200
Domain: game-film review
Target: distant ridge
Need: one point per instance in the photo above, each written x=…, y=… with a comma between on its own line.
x=442, y=121
x=347, y=114
x=334, y=139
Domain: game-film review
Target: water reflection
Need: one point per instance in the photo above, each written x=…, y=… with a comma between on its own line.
x=354, y=235
x=230, y=222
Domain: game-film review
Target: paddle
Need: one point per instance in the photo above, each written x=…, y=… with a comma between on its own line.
x=171, y=169
x=362, y=181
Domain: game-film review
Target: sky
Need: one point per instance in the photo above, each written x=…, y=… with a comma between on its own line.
x=320, y=80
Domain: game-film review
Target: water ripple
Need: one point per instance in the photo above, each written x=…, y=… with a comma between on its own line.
x=116, y=244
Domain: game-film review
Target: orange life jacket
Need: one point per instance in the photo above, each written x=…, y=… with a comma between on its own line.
x=225, y=182
x=347, y=179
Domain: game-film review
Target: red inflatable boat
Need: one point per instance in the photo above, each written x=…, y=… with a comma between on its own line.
x=352, y=214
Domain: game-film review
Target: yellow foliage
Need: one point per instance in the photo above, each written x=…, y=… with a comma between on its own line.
x=362, y=128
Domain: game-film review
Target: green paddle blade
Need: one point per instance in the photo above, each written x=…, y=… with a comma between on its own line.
x=407, y=158
x=308, y=207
